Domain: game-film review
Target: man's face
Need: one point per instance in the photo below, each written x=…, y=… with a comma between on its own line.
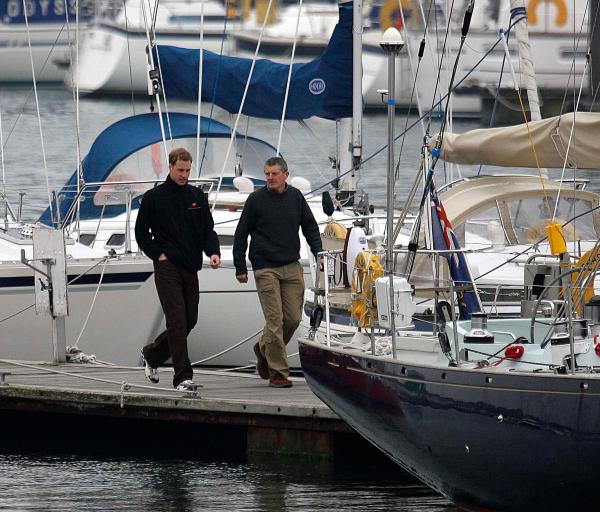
x=180, y=172
x=275, y=178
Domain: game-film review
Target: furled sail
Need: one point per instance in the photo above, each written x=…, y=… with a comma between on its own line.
x=322, y=87
x=511, y=146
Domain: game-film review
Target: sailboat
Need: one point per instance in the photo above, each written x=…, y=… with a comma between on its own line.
x=496, y=414
x=42, y=38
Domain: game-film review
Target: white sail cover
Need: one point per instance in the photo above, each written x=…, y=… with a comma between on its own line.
x=511, y=146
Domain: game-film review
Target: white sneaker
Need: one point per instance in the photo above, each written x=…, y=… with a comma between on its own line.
x=151, y=373
x=188, y=385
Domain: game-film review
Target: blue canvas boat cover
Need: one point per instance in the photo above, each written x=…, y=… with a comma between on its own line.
x=122, y=139
x=322, y=87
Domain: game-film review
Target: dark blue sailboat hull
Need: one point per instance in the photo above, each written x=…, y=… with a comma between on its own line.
x=486, y=440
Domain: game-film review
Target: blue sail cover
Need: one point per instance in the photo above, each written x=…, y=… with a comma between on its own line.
x=322, y=87
x=119, y=141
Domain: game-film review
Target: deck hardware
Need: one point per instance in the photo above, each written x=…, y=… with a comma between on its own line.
x=3, y=378
x=124, y=387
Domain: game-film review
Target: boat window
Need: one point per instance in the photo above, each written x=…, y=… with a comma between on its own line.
x=87, y=238
x=116, y=240
x=149, y=164
x=477, y=230
x=530, y=217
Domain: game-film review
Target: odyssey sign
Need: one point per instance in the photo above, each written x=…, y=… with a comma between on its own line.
x=44, y=11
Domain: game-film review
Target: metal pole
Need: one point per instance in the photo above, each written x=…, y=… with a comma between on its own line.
x=326, y=279
x=390, y=193
x=391, y=44
x=594, y=46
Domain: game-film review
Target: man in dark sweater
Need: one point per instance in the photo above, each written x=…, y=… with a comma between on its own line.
x=272, y=217
x=174, y=226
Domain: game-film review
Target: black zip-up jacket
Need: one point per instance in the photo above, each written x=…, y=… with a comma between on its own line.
x=176, y=220
x=272, y=220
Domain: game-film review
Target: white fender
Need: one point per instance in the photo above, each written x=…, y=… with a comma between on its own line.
x=356, y=242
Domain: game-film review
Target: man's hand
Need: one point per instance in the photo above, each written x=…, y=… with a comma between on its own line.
x=321, y=264
x=215, y=261
x=162, y=257
x=242, y=278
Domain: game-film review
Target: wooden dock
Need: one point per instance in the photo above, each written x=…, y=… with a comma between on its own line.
x=233, y=413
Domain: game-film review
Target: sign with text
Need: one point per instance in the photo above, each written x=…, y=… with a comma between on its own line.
x=44, y=11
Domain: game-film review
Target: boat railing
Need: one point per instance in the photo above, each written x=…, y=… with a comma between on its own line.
x=439, y=283
x=123, y=193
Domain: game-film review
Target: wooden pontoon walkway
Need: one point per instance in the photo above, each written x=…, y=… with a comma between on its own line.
x=289, y=421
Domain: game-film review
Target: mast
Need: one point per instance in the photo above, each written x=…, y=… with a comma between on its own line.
x=357, y=28
x=521, y=29
x=350, y=130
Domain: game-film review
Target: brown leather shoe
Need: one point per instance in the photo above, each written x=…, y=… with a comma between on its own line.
x=262, y=367
x=279, y=381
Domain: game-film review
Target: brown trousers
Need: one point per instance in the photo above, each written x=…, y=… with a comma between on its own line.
x=281, y=294
x=179, y=295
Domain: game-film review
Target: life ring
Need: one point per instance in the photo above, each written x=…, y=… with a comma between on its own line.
x=389, y=14
x=588, y=264
x=561, y=11
x=367, y=269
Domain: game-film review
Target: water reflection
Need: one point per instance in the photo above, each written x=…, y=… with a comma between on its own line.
x=53, y=483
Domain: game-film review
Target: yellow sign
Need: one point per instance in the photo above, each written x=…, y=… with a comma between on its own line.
x=561, y=11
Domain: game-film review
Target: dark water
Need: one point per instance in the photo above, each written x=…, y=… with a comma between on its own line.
x=73, y=482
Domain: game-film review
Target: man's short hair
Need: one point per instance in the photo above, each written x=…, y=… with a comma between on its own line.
x=179, y=154
x=277, y=160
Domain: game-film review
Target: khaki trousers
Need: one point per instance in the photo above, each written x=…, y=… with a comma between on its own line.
x=281, y=294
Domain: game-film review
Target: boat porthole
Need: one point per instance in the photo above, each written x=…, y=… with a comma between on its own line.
x=584, y=385
x=488, y=380
x=369, y=365
x=444, y=376
x=403, y=371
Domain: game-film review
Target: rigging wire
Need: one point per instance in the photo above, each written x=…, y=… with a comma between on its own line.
x=239, y=114
x=200, y=70
x=289, y=78
x=127, y=39
x=37, y=105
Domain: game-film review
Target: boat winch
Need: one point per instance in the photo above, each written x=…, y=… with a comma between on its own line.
x=479, y=332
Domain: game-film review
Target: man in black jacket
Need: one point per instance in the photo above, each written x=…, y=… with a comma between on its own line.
x=272, y=217
x=174, y=227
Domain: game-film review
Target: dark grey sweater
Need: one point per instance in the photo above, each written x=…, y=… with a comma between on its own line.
x=272, y=220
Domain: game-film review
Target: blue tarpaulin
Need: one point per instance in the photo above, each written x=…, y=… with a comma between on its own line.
x=322, y=87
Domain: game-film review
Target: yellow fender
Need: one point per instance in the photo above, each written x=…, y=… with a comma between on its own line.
x=561, y=11
x=386, y=14
x=589, y=264
x=363, y=283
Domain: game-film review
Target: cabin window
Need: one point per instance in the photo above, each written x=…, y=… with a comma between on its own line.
x=87, y=238
x=476, y=232
x=116, y=240
x=530, y=216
